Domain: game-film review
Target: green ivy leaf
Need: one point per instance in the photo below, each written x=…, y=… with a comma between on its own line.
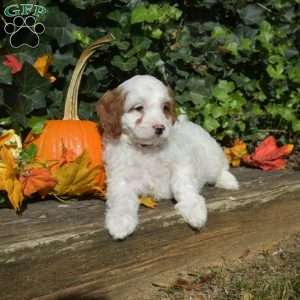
x=251, y=14
x=37, y=124
x=62, y=61
x=219, y=32
x=122, y=45
x=276, y=72
x=29, y=82
x=266, y=34
x=124, y=65
x=28, y=154
x=155, y=13
x=218, y=112
x=232, y=47
x=139, y=44
x=197, y=98
x=99, y=73
x=156, y=33
x=237, y=101
x=210, y=123
x=294, y=74
x=86, y=110
x=287, y=114
x=59, y=27
x=296, y=125
x=5, y=74
x=151, y=60
x=120, y=17
x=246, y=44
x=222, y=89
x=142, y=14
x=80, y=36
x=37, y=100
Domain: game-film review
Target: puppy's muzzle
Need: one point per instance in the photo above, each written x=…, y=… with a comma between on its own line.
x=159, y=129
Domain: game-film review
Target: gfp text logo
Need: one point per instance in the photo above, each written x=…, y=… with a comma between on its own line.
x=24, y=30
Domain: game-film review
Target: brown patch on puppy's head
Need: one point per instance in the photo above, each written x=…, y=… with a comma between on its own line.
x=110, y=110
x=170, y=108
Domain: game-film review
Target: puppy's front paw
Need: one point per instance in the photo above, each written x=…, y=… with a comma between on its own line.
x=227, y=181
x=193, y=212
x=120, y=225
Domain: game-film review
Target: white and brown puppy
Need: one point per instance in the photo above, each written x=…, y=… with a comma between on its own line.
x=148, y=152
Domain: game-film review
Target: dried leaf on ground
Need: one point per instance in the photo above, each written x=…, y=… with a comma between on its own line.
x=268, y=156
x=37, y=180
x=236, y=153
x=8, y=178
x=148, y=201
x=76, y=178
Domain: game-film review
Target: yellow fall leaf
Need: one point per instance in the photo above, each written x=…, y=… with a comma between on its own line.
x=290, y=148
x=148, y=201
x=76, y=178
x=8, y=178
x=13, y=141
x=42, y=65
x=5, y=136
x=3, y=171
x=235, y=153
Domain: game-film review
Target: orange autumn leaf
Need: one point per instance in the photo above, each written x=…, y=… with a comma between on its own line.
x=42, y=65
x=37, y=180
x=8, y=178
x=235, y=153
x=268, y=156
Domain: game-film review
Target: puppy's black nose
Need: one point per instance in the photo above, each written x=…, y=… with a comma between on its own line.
x=159, y=129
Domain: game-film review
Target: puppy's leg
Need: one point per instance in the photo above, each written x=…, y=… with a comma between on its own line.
x=227, y=181
x=121, y=216
x=190, y=205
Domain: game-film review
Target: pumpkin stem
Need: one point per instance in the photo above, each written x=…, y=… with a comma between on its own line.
x=71, y=104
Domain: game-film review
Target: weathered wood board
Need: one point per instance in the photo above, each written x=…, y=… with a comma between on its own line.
x=58, y=251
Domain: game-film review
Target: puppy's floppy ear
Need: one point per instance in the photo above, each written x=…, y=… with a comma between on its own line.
x=110, y=110
x=173, y=105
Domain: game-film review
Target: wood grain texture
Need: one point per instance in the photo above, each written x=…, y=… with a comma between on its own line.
x=56, y=251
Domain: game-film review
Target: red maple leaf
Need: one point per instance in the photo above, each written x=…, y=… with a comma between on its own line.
x=268, y=156
x=12, y=62
x=37, y=180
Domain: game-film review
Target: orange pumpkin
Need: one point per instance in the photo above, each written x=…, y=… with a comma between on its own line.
x=71, y=133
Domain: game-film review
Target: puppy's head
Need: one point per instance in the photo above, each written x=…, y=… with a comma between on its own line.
x=141, y=108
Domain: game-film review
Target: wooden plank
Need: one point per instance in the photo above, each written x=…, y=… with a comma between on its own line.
x=55, y=251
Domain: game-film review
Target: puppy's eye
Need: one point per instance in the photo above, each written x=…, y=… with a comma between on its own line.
x=139, y=108
x=166, y=108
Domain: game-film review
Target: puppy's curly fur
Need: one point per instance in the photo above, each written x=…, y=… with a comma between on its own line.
x=148, y=152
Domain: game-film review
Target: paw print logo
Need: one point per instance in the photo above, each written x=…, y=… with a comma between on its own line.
x=24, y=31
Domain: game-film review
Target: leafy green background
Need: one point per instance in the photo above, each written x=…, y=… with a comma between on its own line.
x=234, y=64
